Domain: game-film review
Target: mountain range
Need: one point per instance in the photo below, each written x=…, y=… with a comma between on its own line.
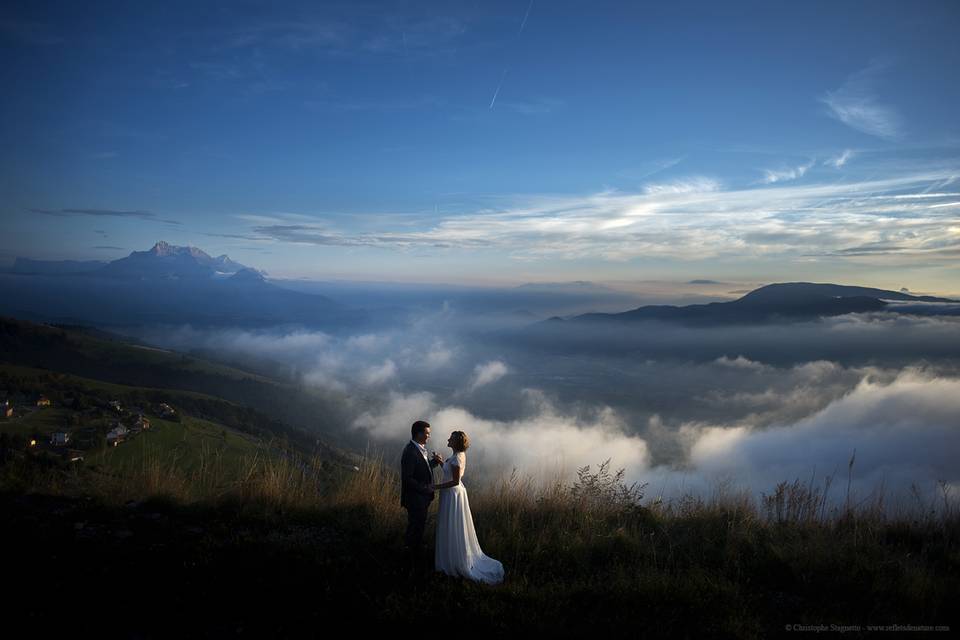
x=162, y=261
x=167, y=284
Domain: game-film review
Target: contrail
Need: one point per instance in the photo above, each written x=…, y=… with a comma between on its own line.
x=525, y=16
x=504, y=75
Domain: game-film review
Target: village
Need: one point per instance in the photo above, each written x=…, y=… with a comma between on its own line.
x=75, y=428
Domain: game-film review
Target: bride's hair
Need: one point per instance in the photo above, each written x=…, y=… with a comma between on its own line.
x=460, y=441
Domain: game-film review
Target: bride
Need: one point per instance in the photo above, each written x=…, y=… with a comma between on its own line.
x=458, y=552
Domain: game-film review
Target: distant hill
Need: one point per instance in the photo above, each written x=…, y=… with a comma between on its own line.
x=782, y=302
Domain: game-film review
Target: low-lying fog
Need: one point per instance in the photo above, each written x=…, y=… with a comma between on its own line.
x=684, y=409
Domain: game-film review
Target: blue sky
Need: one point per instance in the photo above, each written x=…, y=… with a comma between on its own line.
x=490, y=142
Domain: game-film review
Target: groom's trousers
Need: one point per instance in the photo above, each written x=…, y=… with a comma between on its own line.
x=416, y=522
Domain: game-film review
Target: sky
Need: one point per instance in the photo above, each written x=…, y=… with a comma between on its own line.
x=490, y=142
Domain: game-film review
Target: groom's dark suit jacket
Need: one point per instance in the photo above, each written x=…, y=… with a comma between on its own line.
x=415, y=477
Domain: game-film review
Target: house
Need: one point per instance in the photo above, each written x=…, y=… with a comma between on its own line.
x=117, y=435
x=166, y=411
x=6, y=409
x=60, y=438
x=142, y=422
x=43, y=401
x=115, y=404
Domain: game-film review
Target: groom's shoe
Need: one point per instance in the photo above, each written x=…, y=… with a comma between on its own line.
x=419, y=563
x=412, y=560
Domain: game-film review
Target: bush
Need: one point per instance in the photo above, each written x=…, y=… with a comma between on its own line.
x=603, y=492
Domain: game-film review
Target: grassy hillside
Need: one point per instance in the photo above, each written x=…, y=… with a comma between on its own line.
x=214, y=523
x=186, y=444
x=290, y=552
x=208, y=436
x=90, y=398
x=301, y=413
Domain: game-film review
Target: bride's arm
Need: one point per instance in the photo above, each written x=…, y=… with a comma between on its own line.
x=455, y=470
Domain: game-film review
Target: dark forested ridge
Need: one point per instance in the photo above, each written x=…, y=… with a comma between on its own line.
x=295, y=412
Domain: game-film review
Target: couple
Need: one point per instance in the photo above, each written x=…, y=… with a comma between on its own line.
x=457, y=551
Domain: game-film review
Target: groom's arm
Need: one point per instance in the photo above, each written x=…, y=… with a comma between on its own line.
x=408, y=469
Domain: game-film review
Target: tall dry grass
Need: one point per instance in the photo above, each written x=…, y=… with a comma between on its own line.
x=736, y=559
x=543, y=510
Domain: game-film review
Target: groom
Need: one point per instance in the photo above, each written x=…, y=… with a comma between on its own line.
x=416, y=492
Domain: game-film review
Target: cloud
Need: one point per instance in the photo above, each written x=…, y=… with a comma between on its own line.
x=771, y=176
x=691, y=219
x=144, y=215
x=697, y=184
x=335, y=35
x=740, y=363
x=855, y=105
x=487, y=372
x=438, y=356
x=379, y=374
x=367, y=341
x=904, y=432
x=685, y=409
x=547, y=441
x=283, y=345
x=838, y=161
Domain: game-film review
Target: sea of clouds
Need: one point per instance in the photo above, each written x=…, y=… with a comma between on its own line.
x=681, y=409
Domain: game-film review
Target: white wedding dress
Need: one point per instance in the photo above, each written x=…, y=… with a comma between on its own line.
x=457, y=551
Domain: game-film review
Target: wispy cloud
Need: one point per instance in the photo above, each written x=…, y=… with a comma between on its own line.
x=855, y=105
x=696, y=184
x=791, y=173
x=686, y=220
x=144, y=215
x=840, y=160
x=236, y=236
x=378, y=374
x=427, y=36
x=338, y=35
x=649, y=169
x=484, y=374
